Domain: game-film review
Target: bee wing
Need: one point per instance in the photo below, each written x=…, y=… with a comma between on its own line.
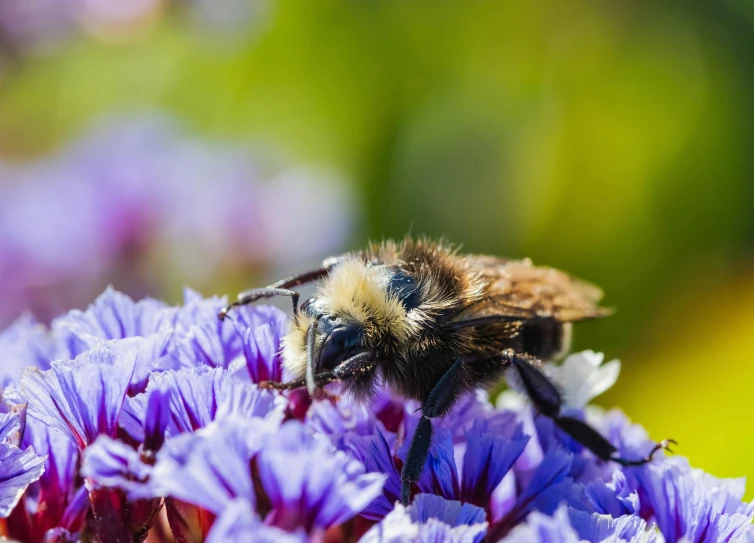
x=517, y=290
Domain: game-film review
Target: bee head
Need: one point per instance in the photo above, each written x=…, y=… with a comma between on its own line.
x=358, y=308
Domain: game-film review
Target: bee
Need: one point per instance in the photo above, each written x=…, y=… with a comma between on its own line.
x=433, y=324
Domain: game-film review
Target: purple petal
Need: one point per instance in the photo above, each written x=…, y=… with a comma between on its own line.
x=113, y=464
x=470, y=407
x=81, y=398
x=157, y=416
x=440, y=475
x=113, y=315
x=335, y=420
x=197, y=397
x=544, y=529
x=693, y=505
x=149, y=353
x=311, y=485
x=547, y=488
x=239, y=523
x=431, y=520
x=250, y=334
x=494, y=444
x=48, y=499
x=453, y=513
x=211, y=467
x=595, y=528
x=18, y=468
x=376, y=453
x=261, y=331
x=614, y=498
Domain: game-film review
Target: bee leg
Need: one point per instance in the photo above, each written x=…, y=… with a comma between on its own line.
x=322, y=379
x=279, y=288
x=251, y=296
x=441, y=398
x=548, y=401
x=275, y=385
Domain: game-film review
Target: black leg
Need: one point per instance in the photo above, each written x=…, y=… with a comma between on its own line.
x=358, y=364
x=321, y=379
x=442, y=397
x=416, y=458
x=250, y=296
x=279, y=288
x=548, y=401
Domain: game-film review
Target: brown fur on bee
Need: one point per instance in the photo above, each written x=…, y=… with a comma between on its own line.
x=419, y=305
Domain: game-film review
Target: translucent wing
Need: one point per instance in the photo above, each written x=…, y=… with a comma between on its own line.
x=518, y=290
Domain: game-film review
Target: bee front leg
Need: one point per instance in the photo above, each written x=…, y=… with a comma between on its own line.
x=442, y=397
x=280, y=288
x=549, y=402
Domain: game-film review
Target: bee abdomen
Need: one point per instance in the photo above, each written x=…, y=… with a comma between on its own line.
x=545, y=339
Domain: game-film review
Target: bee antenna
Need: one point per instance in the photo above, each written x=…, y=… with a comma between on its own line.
x=311, y=336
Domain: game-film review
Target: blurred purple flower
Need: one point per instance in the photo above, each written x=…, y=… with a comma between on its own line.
x=25, y=343
x=239, y=523
x=39, y=26
x=140, y=187
x=111, y=463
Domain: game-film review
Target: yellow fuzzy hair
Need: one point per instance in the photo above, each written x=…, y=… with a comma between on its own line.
x=294, y=345
x=356, y=292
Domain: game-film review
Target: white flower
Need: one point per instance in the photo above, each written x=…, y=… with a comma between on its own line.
x=580, y=378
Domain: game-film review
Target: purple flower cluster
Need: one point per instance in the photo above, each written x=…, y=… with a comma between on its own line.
x=138, y=419
x=135, y=201
x=39, y=26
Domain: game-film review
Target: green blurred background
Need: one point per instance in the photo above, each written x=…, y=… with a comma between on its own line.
x=610, y=139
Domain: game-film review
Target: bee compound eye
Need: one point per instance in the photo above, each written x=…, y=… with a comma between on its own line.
x=338, y=346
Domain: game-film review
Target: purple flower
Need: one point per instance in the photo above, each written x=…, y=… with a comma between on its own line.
x=261, y=332
x=691, y=505
x=196, y=397
x=113, y=464
x=544, y=529
x=81, y=398
x=377, y=453
x=160, y=407
x=18, y=468
x=249, y=340
x=311, y=485
x=493, y=445
x=489, y=450
x=238, y=522
x=211, y=467
x=544, y=490
x=113, y=315
x=56, y=500
x=430, y=519
x=596, y=528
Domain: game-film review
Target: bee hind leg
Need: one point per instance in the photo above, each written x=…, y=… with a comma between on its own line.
x=548, y=401
x=439, y=401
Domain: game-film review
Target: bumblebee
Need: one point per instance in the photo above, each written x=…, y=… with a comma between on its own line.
x=433, y=323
